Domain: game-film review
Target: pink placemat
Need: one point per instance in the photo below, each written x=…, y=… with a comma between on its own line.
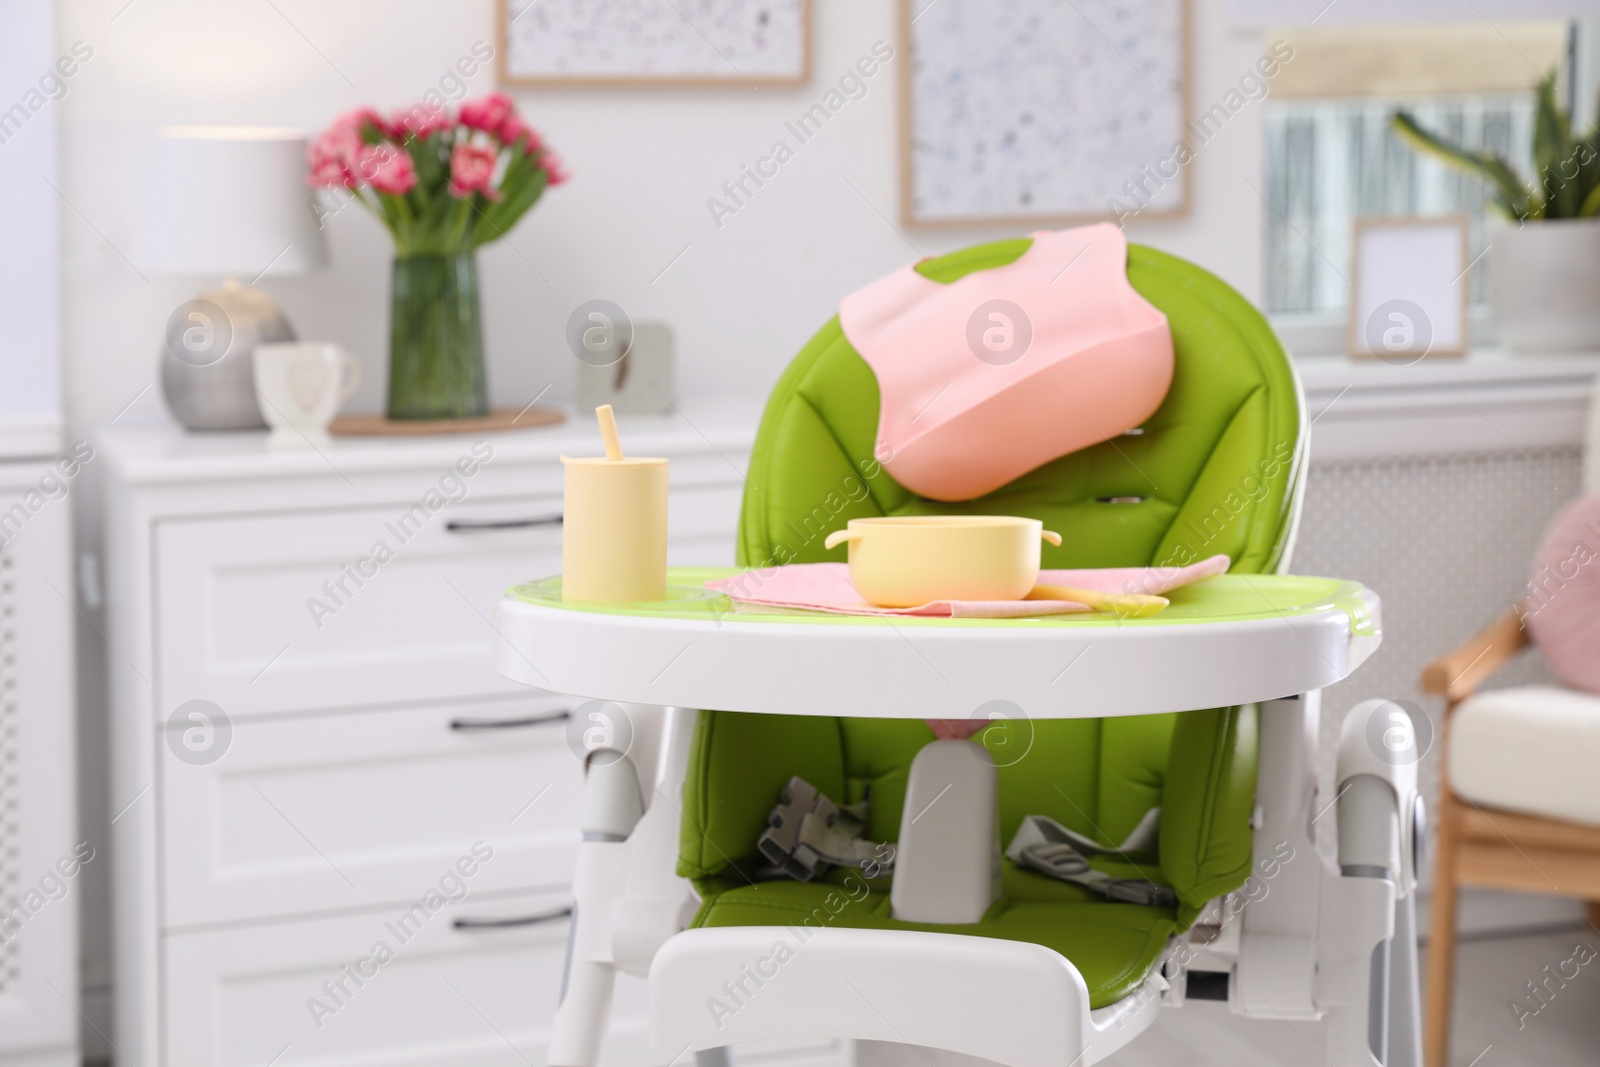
x=826, y=587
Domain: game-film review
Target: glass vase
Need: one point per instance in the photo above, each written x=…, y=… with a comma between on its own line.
x=436, y=339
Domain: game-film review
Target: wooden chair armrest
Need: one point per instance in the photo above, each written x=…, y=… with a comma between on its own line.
x=1457, y=674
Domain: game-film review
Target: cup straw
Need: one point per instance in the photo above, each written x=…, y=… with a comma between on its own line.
x=608, y=431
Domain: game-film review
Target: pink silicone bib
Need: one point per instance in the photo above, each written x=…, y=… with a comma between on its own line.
x=985, y=378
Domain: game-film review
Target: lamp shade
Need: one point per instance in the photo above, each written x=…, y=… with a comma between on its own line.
x=228, y=200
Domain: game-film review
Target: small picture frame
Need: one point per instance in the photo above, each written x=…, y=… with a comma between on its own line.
x=642, y=381
x=1408, y=288
x=734, y=44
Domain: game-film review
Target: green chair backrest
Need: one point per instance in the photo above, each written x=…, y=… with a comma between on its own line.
x=1217, y=469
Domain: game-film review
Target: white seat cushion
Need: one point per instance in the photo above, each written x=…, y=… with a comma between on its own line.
x=1533, y=749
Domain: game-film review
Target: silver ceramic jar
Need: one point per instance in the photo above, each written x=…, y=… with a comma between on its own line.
x=206, y=361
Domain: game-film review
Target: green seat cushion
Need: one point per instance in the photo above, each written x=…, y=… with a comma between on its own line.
x=1112, y=945
x=1096, y=776
x=1216, y=469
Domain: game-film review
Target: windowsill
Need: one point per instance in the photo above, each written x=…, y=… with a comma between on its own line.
x=1487, y=401
x=1314, y=334
x=1492, y=369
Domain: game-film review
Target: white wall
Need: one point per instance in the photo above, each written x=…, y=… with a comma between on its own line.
x=743, y=298
x=644, y=162
x=30, y=391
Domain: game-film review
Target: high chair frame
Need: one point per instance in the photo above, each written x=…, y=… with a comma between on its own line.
x=1218, y=467
x=1302, y=950
x=1304, y=940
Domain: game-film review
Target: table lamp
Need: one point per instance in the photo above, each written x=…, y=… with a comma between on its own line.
x=227, y=201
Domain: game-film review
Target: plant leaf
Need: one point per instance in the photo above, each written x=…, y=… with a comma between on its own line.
x=1554, y=161
x=1591, y=204
x=1514, y=198
x=501, y=216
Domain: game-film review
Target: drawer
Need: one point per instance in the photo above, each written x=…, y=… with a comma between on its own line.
x=352, y=809
x=362, y=606
x=445, y=997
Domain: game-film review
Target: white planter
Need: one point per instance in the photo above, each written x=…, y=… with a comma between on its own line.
x=1545, y=285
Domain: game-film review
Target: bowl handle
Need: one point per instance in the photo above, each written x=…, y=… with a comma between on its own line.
x=1051, y=536
x=840, y=536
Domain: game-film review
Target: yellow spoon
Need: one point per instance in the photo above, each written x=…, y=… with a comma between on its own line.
x=1127, y=605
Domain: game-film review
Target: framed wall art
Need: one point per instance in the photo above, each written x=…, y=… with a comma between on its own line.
x=1042, y=110
x=732, y=43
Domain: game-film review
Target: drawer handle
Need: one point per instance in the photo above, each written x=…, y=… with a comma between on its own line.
x=467, y=526
x=520, y=920
x=510, y=724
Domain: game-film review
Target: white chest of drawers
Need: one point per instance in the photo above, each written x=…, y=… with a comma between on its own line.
x=330, y=795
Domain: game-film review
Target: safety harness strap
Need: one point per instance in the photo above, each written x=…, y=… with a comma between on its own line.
x=1045, y=846
x=807, y=834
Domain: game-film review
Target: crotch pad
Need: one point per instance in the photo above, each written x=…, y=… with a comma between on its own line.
x=985, y=378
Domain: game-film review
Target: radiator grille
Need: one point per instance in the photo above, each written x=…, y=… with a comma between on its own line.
x=10, y=787
x=1446, y=541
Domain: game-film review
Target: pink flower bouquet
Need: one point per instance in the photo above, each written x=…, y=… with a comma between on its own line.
x=442, y=184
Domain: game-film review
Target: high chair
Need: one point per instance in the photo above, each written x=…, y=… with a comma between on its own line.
x=956, y=960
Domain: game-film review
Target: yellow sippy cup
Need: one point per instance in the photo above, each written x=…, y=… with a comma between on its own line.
x=614, y=530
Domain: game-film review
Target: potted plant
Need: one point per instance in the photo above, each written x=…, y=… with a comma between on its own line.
x=443, y=185
x=1544, y=262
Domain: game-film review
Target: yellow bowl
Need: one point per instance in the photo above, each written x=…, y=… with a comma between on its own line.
x=900, y=562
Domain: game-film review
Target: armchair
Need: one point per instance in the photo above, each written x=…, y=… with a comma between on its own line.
x=1509, y=815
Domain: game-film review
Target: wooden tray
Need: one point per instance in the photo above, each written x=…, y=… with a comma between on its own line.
x=498, y=419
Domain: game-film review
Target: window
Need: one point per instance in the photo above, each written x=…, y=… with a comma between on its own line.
x=1331, y=158
x=1332, y=161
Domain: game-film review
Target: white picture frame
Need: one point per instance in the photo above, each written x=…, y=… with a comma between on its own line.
x=1038, y=111
x=676, y=43
x=1408, y=288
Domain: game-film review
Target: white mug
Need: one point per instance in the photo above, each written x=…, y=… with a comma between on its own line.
x=301, y=386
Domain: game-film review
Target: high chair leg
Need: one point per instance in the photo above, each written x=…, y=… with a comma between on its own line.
x=1367, y=969
x=1357, y=974
x=895, y=1054
x=713, y=1057
x=627, y=897
x=580, y=1023
x=612, y=807
x=1405, y=1008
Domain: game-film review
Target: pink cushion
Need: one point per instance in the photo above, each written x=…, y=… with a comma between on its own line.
x=1562, y=607
x=985, y=378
